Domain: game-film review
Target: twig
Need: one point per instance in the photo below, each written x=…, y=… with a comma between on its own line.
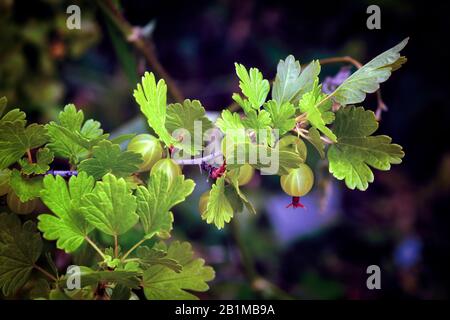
x=349, y=59
x=198, y=161
x=116, y=246
x=48, y=274
x=93, y=245
x=146, y=48
x=137, y=244
x=381, y=106
x=30, y=158
x=304, y=133
x=63, y=173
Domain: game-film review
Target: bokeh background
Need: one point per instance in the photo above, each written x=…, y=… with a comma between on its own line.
x=401, y=223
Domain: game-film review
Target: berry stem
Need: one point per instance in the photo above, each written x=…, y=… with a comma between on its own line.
x=30, y=158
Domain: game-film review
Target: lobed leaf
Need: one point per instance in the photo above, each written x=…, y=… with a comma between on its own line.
x=108, y=158
x=356, y=150
x=20, y=248
x=16, y=139
x=161, y=282
x=191, y=118
x=253, y=85
x=110, y=207
x=219, y=210
x=152, y=99
x=155, y=201
x=368, y=78
x=68, y=226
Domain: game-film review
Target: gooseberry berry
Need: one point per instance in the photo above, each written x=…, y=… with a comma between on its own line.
x=203, y=202
x=294, y=143
x=168, y=166
x=18, y=206
x=297, y=183
x=245, y=174
x=149, y=148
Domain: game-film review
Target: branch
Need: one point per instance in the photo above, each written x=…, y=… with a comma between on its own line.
x=198, y=161
x=136, y=245
x=147, y=49
x=96, y=248
x=48, y=274
x=30, y=158
x=304, y=133
x=348, y=59
x=63, y=173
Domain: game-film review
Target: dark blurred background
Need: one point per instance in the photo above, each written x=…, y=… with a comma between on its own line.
x=401, y=223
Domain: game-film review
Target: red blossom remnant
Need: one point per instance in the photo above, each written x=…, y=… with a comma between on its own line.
x=295, y=203
x=218, y=172
x=213, y=172
x=171, y=149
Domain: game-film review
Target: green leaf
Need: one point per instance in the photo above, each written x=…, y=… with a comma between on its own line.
x=282, y=116
x=287, y=81
x=268, y=160
x=235, y=183
x=368, y=78
x=356, y=150
x=5, y=175
x=290, y=83
x=307, y=79
x=162, y=283
x=41, y=289
x=108, y=158
x=70, y=118
x=121, y=292
x=317, y=109
x=257, y=121
x=122, y=138
x=244, y=103
x=151, y=98
x=157, y=256
x=155, y=202
x=253, y=85
x=91, y=277
x=229, y=121
x=3, y=104
x=43, y=158
x=15, y=140
x=71, y=137
x=187, y=116
x=259, y=125
x=219, y=210
x=20, y=248
x=314, y=139
x=13, y=115
x=68, y=226
x=111, y=207
x=25, y=188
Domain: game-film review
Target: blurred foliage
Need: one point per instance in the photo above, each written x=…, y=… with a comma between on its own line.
x=33, y=44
